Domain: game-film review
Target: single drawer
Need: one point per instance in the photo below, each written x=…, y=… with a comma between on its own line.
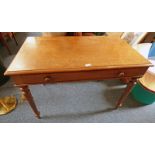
x=43, y=78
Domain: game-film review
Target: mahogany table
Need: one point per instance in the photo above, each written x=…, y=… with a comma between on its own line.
x=43, y=60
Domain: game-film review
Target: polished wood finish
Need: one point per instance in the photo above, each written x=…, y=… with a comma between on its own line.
x=44, y=60
x=27, y=94
x=129, y=87
x=62, y=54
x=44, y=78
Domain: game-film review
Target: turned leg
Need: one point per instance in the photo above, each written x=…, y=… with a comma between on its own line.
x=27, y=94
x=129, y=87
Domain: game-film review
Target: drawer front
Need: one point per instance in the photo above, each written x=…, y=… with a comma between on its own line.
x=78, y=76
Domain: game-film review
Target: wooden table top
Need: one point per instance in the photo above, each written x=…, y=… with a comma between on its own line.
x=60, y=54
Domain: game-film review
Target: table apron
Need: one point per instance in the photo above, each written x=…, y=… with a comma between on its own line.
x=43, y=78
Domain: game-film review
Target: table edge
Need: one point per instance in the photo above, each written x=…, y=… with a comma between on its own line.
x=26, y=72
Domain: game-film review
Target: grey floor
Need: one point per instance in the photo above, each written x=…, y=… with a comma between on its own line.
x=82, y=102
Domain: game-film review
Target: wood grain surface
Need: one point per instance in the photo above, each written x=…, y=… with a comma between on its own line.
x=57, y=54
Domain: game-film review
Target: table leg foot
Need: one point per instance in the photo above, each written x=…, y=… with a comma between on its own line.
x=118, y=106
x=128, y=89
x=26, y=92
x=38, y=115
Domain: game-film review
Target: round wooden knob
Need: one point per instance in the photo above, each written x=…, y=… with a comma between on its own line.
x=121, y=74
x=47, y=79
